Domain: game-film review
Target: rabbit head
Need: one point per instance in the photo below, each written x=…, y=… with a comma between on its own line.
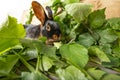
x=48, y=27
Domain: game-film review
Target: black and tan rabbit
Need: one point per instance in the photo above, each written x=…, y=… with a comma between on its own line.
x=48, y=27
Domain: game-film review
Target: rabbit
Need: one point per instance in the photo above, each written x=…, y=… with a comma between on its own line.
x=48, y=27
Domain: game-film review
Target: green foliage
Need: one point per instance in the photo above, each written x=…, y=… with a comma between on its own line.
x=79, y=11
x=96, y=19
x=97, y=74
x=86, y=40
x=10, y=33
x=94, y=51
x=6, y=63
x=89, y=48
x=71, y=73
x=75, y=54
x=112, y=77
x=71, y=1
x=32, y=76
x=107, y=36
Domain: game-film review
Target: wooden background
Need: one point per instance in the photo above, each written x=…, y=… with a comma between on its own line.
x=112, y=6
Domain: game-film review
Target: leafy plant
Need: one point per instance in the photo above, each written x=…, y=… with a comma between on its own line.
x=89, y=48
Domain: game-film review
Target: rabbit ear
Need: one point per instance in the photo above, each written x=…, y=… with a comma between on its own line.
x=49, y=13
x=39, y=11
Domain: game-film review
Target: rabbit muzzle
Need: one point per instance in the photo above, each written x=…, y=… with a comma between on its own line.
x=52, y=31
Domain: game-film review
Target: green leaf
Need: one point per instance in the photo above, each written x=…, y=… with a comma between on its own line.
x=11, y=76
x=111, y=77
x=114, y=23
x=97, y=74
x=106, y=48
x=33, y=76
x=96, y=18
x=30, y=54
x=61, y=16
x=116, y=52
x=70, y=73
x=41, y=47
x=73, y=32
x=7, y=63
x=114, y=62
x=71, y=1
x=107, y=36
x=86, y=40
x=31, y=43
x=95, y=51
x=47, y=63
x=75, y=54
x=79, y=11
x=50, y=52
x=54, y=2
x=10, y=33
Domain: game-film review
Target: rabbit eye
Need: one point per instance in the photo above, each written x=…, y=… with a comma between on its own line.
x=48, y=28
x=55, y=37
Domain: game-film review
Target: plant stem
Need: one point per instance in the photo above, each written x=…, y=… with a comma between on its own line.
x=42, y=66
x=75, y=27
x=30, y=16
x=25, y=62
x=38, y=63
x=87, y=74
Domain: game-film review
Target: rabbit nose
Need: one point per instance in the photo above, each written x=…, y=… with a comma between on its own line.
x=55, y=38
